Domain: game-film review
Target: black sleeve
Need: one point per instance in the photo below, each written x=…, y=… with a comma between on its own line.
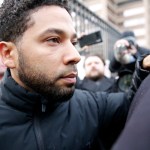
x=114, y=118
x=138, y=76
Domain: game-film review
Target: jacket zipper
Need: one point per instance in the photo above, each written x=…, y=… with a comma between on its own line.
x=38, y=133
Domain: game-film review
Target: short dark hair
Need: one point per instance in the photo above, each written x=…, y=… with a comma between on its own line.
x=90, y=55
x=15, y=16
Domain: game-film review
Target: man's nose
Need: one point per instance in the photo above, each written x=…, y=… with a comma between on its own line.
x=72, y=55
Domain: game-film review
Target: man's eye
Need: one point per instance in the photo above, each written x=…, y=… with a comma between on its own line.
x=75, y=43
x=54, y=40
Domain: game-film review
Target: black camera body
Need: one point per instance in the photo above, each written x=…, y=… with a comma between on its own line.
x=90, y=39
x=123, y=47
x=124, y=80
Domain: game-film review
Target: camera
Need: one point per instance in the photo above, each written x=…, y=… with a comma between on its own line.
x=90, y=39
x=122, y=48
x=125, y=53
x=125, y=59
x=124, y=80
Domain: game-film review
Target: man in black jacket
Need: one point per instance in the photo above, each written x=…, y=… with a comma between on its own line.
x=39, y=108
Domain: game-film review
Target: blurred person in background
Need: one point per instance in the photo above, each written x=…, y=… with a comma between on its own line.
x=126, y=52
x=95, y=79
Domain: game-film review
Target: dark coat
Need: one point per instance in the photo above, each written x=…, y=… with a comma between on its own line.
x=105, y=84
x=136, y=134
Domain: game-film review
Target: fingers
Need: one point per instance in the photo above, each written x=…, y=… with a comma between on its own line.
x=121, y=42
x=146, y=62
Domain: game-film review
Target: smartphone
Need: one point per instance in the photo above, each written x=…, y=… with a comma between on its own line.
x=90, y=39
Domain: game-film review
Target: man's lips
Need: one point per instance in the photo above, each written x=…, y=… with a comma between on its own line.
x=70, y=78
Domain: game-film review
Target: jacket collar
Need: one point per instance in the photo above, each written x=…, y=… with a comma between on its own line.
x=19, y=98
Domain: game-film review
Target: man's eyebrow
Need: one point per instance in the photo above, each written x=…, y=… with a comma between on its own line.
x=57, y=31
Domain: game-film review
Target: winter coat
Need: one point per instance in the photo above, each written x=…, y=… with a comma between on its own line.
x=88, y=121
x=105, y=84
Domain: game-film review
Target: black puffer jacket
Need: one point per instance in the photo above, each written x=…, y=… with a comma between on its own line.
x=87, y=121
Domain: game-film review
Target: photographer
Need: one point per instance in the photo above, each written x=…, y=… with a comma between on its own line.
x=126, y=51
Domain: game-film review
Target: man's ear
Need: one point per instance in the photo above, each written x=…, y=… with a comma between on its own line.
x=8, y=54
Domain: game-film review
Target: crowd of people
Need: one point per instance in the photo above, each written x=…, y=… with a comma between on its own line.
x=43, y=103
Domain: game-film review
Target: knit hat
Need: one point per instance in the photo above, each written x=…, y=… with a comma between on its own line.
x=129, y=36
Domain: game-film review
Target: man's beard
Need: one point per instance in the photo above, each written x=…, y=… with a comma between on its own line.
x=40, y=83
x=96, y=77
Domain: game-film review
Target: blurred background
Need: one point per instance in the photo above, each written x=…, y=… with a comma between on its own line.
x=111, y=17
x=125, y=15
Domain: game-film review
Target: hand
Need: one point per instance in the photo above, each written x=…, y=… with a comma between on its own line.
x=146, y=62
x=123, y=42
x=85, y=48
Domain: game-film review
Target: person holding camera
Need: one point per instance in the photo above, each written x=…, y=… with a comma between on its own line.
x=126, y=52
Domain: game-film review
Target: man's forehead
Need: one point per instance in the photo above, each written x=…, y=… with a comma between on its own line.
x=52, y=19
x=51, y=12
x=93, y=58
